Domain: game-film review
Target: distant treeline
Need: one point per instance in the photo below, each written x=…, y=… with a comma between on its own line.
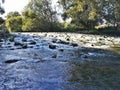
x=41, y=15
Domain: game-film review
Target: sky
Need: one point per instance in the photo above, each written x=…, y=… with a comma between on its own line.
x=18, y=5
x=14, y=5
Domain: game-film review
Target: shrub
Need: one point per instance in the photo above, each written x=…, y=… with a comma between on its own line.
x=14, y=24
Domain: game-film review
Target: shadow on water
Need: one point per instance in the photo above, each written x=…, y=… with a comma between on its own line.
x=103, y=32
x=71, y=69
x=99, y=71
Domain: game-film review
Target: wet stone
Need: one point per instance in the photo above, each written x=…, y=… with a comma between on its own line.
x=30, y=46
x=61, y=50
x=74, y=44
x=92, y=44
x=54, y=56
x=18, y=43
x=68, y=39
x=8, y=43
x=52, y=46
x=24, y=40
x=63, y=42
x=54, y=40
x=24, y=46
x=84, y=56
x=12, y=48
x=11, y=39
x=33, y=42
x=11, y=61
x=1, y=40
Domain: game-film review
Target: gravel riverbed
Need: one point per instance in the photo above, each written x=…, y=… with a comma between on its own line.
x=59, y=61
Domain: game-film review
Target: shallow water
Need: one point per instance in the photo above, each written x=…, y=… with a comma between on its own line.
x=63, y=68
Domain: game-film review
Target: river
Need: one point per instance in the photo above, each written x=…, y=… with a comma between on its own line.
x=59, y=61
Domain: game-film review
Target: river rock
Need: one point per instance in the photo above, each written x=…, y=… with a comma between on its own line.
x=61, y=50
x=74, y=44
x=32, y=42
x=11, y=61
x=52, y=46
x=1, y=40
x=24, y=46
x=18, y=44
x=63, y=42
x=54, y=56
x=24, y=40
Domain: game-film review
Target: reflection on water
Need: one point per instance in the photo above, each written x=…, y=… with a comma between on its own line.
x=97, y=73
x=106, y=76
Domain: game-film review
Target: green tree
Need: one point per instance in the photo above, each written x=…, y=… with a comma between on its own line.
x=30, y=21
x=14, y=24
x=44, y=12
x=117, y=13
x=83, y=12
x=12, y=14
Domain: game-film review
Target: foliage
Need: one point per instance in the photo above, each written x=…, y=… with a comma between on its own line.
x=12, y=14
x=80, y=11
x=44, y=14
x=30, y=22
x=40, y=15
x=89, y=13
x=14, y=24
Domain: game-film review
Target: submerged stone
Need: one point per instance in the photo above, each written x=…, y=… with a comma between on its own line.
x=54, y=56
x=63, y=42
x=61, y=50
x=24, y=46
x=74, y=44
x=52, y=46
x=11, y=61
x=18, y=43
x=24, y=40
x=32, y=42
x=1, y=40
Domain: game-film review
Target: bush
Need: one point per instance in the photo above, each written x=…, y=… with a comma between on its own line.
x=3, y=28
x=14, y=24
x=70, y=27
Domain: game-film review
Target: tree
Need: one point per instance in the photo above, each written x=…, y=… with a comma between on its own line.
x=12, y=14
x=44, y=11
x=30, y=21
x=117, y=13
x=14, y=22
x=89, y=13
x=83, y=12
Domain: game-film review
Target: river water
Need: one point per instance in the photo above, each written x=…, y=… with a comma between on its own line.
x=30, y=62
